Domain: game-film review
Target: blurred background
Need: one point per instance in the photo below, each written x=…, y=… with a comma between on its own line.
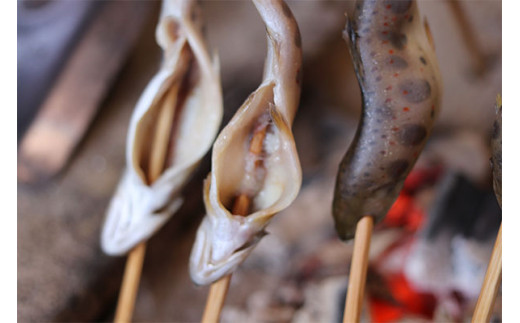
x=82, y=65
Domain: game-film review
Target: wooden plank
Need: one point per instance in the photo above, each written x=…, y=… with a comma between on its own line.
x=73, y=102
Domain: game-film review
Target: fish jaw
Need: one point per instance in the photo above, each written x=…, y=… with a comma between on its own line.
x=135, y=213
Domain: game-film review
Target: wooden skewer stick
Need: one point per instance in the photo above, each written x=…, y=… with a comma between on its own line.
x=163, y=133
x=358, y=270
x=216, y=297
x=134, y=265
x=156, y=165
x=218, y=290
x=490, y=285
x=134, y=262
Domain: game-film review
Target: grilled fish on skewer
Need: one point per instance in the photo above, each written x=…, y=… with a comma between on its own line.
x=400, y=83
x=254, y=157
x=185, y=98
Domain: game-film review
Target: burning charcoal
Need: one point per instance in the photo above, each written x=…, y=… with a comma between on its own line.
x=461, y=207
x=453, y=249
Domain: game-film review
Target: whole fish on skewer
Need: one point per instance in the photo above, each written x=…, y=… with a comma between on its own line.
x=172, y=127
x=255, y=165
x=400, y=81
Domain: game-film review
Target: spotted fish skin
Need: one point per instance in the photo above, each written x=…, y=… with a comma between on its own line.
x=400, y=81
x=496, y=148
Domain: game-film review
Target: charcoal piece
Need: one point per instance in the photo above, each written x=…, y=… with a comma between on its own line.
x=461, y=207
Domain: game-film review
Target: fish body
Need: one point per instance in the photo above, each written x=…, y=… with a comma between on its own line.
x=186, y=94
x=270, y=177
x=400, y=81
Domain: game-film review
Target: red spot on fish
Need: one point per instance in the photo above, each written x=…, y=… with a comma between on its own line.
x=385, y=24
x=384, y=42
x=384, y=32
x=388, y=100
x=395, y=129
x=433, y=107
x=392, y=143
x=406, y=109
x=396, y=74
x=389, y=88
x=405, y=92
x=394, y=18
x=391, y=51
x=388, y=6
x=391, y=61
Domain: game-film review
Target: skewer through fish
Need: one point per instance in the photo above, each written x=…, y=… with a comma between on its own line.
x=254, y=159
x=401, y=85
x=172, y=127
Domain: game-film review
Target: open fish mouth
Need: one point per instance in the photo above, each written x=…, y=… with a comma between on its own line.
x=221, y=245
x=128, y=223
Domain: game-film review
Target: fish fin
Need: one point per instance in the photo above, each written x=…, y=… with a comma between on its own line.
x=429, y=33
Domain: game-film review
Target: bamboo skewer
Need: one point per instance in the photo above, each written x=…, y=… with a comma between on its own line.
x=218, y=290
x=491, y=283
x=130, y=285
x=216, y=297
x=134, y=262
x=163, y=134
x=358, y=270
